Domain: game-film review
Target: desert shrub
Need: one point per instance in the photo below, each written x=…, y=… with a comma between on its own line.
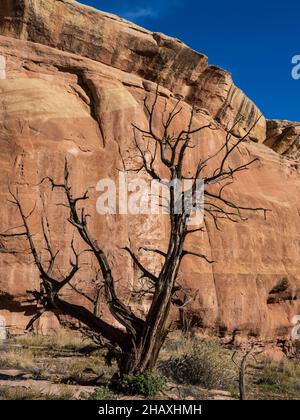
x=101, y=394
x=17, y=359
x=148, y=384
x=205, y=364
x=30, y=340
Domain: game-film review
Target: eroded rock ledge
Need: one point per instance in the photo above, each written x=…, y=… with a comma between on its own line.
x=108, y=39
x=284, y=137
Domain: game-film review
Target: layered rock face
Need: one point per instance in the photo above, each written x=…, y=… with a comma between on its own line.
x=75, y=80
x=105, y=38
x=284, y=138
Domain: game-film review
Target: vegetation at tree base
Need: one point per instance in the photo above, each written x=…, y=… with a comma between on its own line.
x=46, y=372
x=148, y=384
x=206, y=364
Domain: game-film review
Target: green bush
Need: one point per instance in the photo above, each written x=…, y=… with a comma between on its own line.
x=148, y=384
x=205, y=364
x=101, y=394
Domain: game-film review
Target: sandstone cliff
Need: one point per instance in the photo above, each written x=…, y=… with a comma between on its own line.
x=284, y=138
x=105, y=38
x=75, y=80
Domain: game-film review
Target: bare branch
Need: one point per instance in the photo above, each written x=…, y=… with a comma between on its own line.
x=145, y=272
x=158, y=251
x=195, y=254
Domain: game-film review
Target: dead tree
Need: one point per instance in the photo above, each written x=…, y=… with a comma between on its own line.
x=242, y=369
x=137, y=342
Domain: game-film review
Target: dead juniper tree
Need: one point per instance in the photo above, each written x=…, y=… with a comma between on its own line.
x=243, y=365
x=137, y=342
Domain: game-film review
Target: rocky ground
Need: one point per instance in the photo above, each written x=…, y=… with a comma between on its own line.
x=69, y=368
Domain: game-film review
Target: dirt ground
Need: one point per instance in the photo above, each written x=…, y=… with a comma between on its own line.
x=68, y=367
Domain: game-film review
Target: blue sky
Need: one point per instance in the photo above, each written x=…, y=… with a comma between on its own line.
x=254, y=40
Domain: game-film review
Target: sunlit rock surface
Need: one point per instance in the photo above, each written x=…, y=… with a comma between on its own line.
x=75, y=80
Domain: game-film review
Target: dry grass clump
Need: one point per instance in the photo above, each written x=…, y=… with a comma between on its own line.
x=63, y=340
x=17, y=359
x=282, y=380
x=22, y=393
x=205, y=363
x=80, y=370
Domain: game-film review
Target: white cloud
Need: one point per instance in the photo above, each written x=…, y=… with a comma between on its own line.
x=140, y=13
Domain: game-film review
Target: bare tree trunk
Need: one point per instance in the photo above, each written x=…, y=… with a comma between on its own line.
x=242, y=381
x=242, y=367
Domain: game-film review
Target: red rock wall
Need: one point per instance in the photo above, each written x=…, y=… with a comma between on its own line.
x=73, y=89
